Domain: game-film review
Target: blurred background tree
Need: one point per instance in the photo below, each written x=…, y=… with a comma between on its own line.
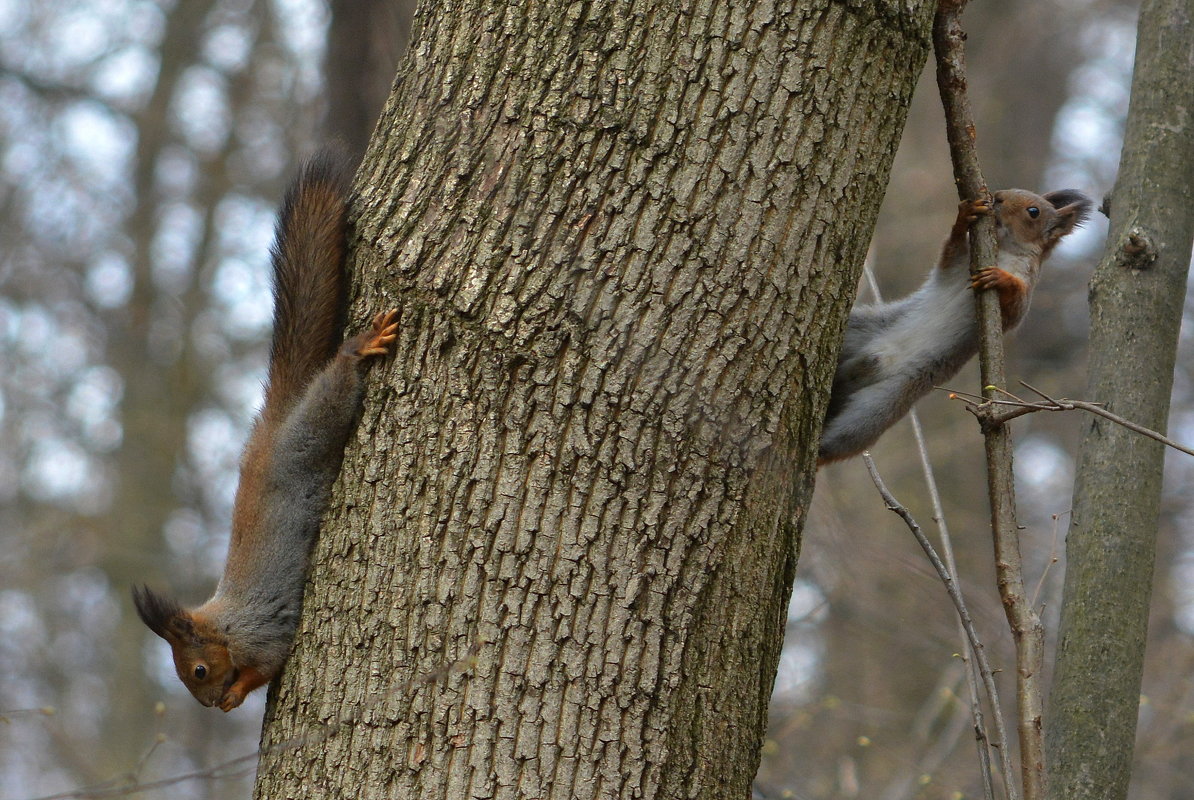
x=143, y=147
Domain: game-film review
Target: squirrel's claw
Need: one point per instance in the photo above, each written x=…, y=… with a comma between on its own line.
x=385, y=331
x=384, y=322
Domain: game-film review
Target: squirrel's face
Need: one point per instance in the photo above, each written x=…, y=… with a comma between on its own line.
x=200, y=651
x=205, y=669
x=1033, y=224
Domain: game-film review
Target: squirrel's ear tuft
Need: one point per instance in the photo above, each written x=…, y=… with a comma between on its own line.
x=1073, y=207
x=163, y=615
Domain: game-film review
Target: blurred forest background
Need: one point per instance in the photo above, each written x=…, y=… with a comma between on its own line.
x=143, y=147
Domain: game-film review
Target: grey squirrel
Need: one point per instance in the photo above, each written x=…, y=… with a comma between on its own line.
x=894, y=353
x=239, y=639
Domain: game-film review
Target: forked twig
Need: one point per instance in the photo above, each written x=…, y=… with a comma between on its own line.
x=985, y=410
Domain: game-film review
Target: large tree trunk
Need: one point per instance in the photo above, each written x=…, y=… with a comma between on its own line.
x=1136, y=312
x=622, y=239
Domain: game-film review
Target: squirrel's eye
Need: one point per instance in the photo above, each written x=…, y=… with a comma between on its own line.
x=200, y=671
x=1034, y=212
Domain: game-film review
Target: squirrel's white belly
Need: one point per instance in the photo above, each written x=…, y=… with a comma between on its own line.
x=939, y=319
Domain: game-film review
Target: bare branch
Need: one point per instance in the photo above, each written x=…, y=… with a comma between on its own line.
x=951, y=587
x=1053, y=558
x=981, y=739
x=1025, y=624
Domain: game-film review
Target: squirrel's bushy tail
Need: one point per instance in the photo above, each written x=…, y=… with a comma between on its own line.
x=309, y=280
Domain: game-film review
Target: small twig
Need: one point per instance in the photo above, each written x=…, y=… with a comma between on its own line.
x=123, y=787
x=159, y=738
x=942, y=571
x=981, y=740
x=984, y=409
x=1099, y=410
x=1036, y=595
x=976, y=646
x=243, y=763
x=935, y=737
x=45, y=711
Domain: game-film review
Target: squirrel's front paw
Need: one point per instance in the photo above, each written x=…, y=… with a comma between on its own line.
x=231, y=699
x=971, y=210
x=995, y=278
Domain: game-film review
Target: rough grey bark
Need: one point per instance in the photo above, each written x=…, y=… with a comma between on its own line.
x=1136, y=306
x=622, y=239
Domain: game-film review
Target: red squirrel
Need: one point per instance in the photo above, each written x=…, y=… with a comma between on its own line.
x=239, y=639
x=894, y=353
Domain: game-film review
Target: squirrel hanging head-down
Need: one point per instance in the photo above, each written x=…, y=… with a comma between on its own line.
x=239, y=639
